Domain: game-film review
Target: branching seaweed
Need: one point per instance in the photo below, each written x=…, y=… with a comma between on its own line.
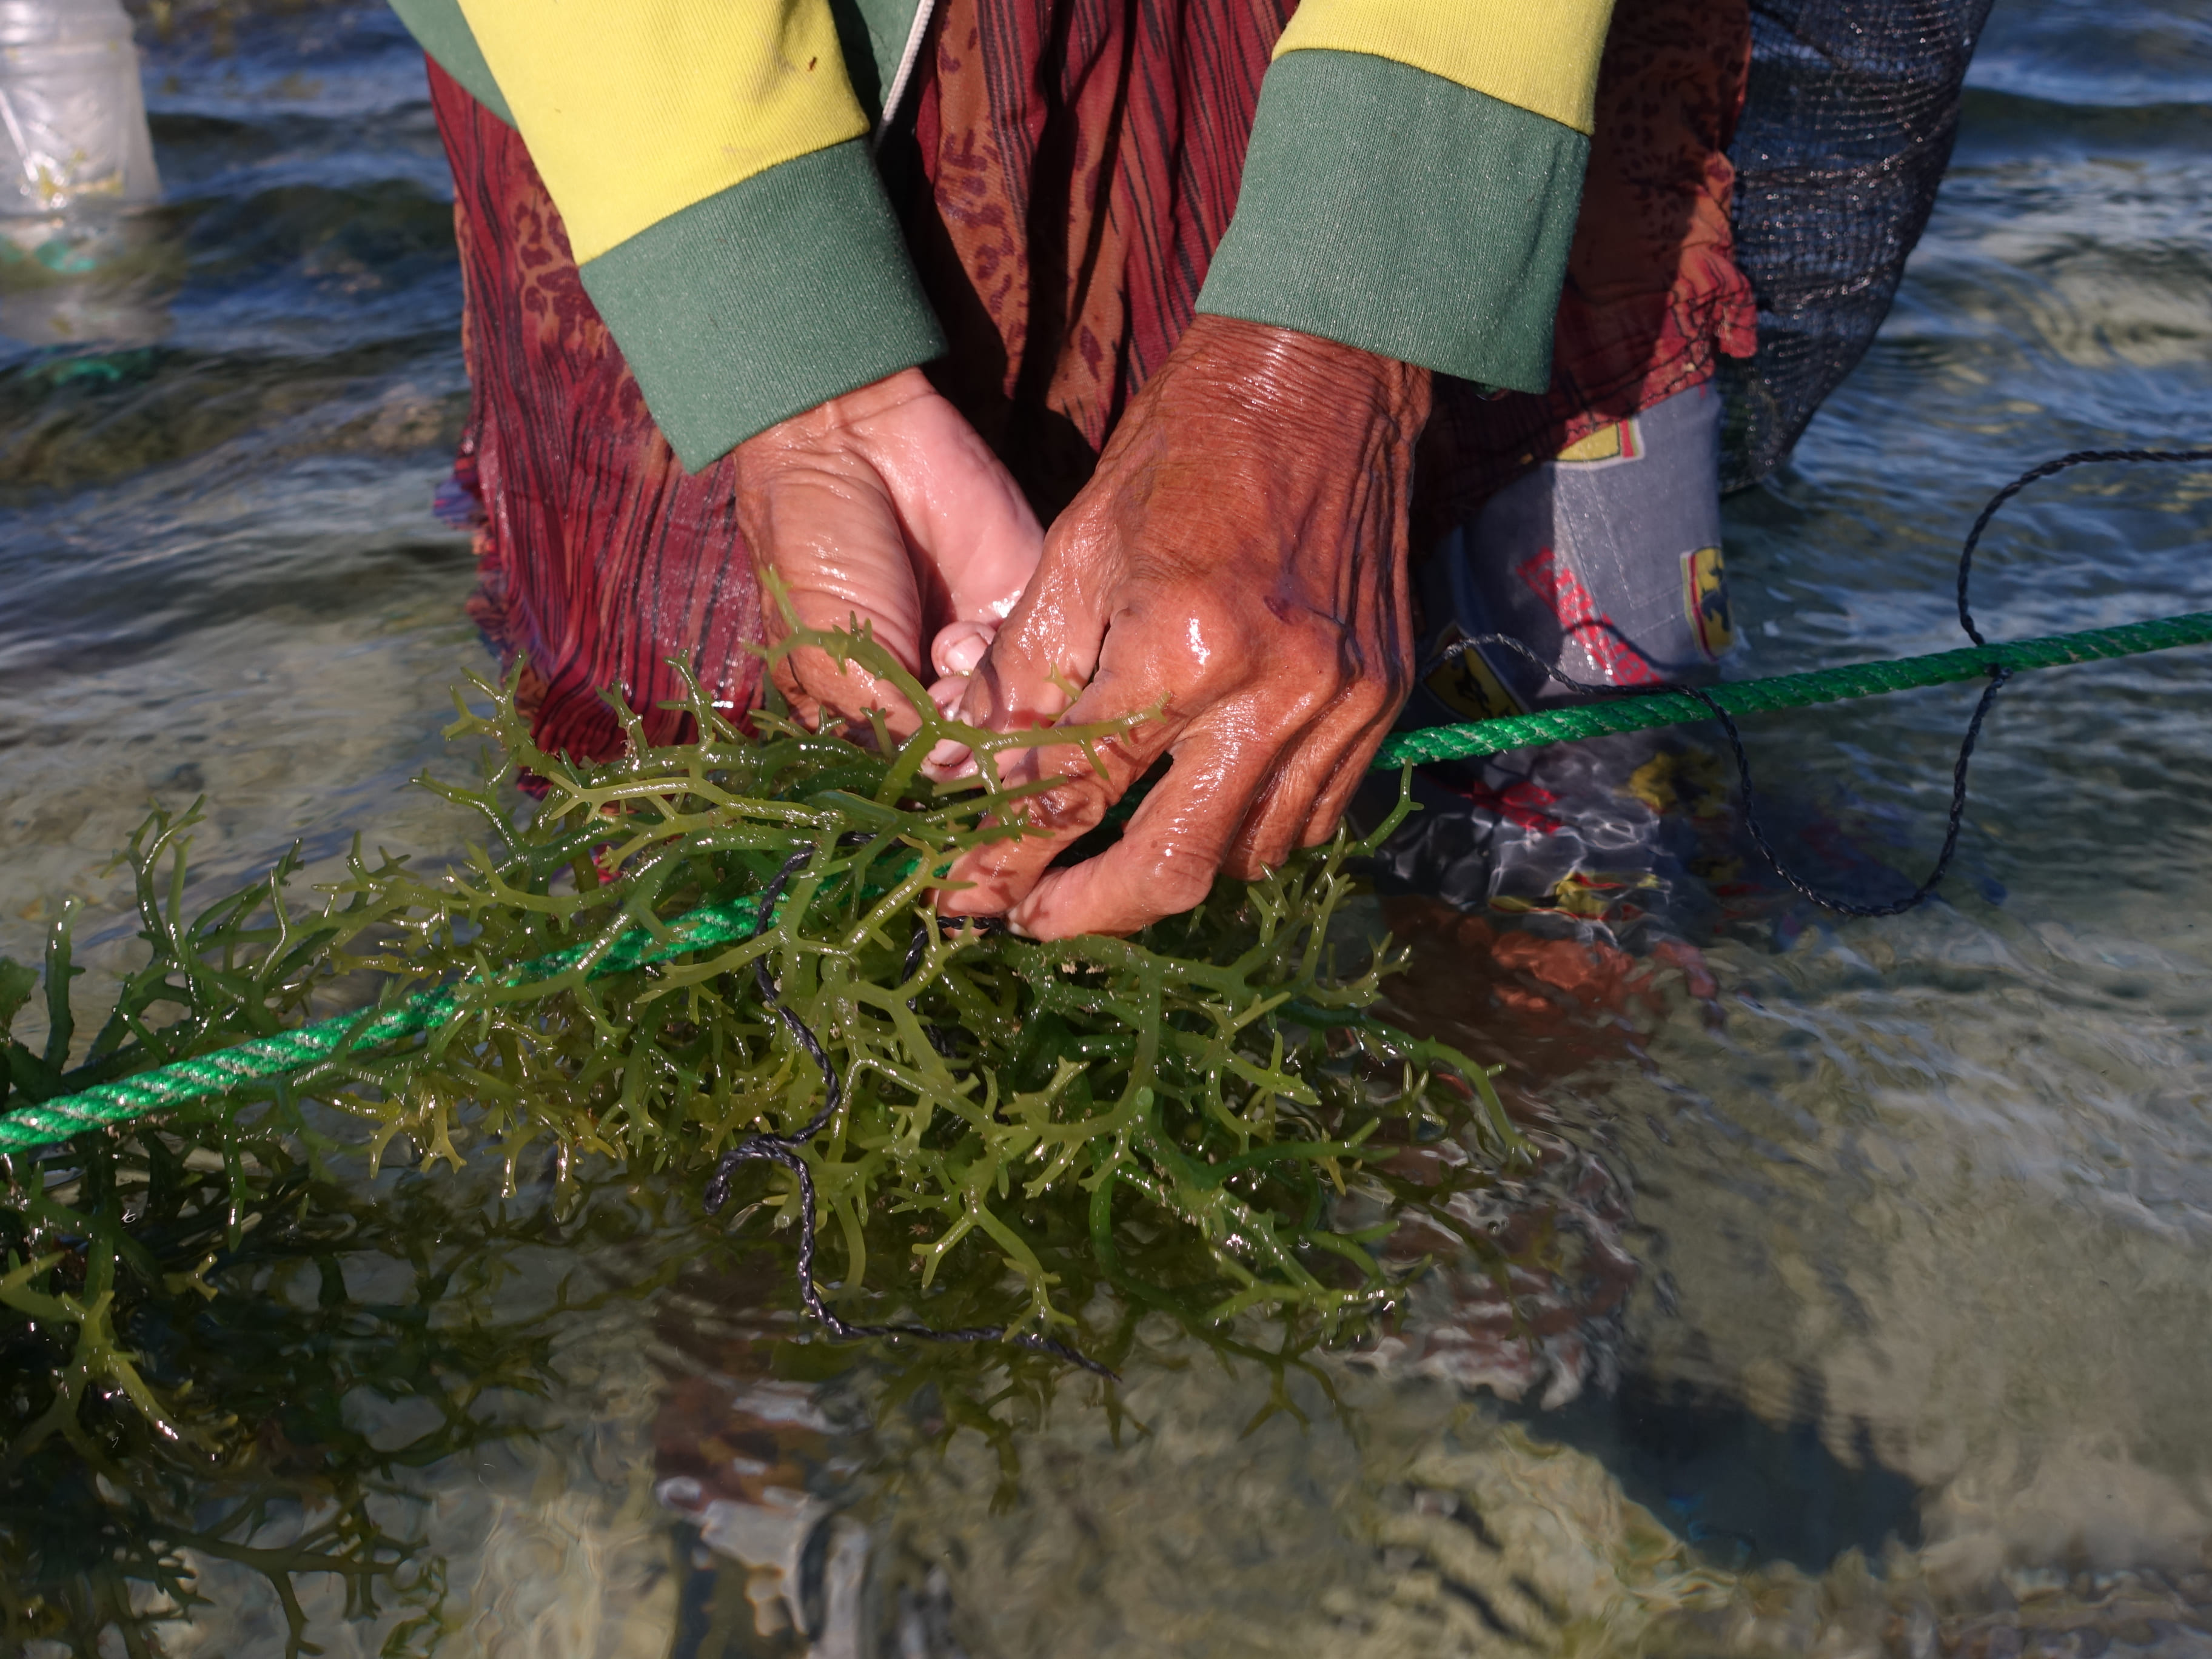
x=1017, y=1128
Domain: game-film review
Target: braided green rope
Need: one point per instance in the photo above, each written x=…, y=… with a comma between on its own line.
x=185, y=1081
x=1866, y=679
x=207, y=1075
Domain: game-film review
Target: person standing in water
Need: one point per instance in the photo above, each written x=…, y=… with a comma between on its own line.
x=1251, y=302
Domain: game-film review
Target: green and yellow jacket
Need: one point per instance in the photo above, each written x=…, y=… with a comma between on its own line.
x=1410, y=186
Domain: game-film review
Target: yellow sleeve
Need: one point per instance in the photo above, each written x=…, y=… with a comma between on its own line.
x=634, y=110
x=709, y=159
x=1538, y=55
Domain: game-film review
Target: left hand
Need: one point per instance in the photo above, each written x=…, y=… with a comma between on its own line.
x=1234, y=572
x=882, y=508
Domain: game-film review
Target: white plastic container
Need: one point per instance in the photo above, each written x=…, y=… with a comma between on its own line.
x=73, y=134
x=78, y=264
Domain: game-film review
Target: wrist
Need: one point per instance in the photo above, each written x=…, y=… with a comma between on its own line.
x=836, y=421
x=1293, y=381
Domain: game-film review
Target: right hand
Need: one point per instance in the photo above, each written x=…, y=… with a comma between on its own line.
x=884, y=508
x=1232, y=580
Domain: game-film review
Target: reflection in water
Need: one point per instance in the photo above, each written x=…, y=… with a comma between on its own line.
x=350, y=1336
x=1742, y=1488
x=1390, y=1521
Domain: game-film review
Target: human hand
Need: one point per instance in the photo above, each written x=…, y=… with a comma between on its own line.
x=884, y=508
x=1234, y=573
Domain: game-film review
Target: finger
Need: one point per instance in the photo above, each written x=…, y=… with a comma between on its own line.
x=1308, y=792
x=1385, y=689
x=947, y=759
x=954, y=653
x=1335, y=797
x=829, y=528
x=1040, y=657
x=1273, y=823
x=1168, y=857
x=1056, y=641
x=819, y=689
x=990, y=878
x=1049, y=649
x=959, y=647
x=1326, y=770
x=832, y=537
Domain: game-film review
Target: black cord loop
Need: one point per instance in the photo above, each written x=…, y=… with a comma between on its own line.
x=784, y=1150
x=2077, y=458
x=1998, y=676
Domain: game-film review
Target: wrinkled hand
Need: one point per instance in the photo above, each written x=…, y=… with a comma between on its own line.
x=884, y=508
x=1236, y=570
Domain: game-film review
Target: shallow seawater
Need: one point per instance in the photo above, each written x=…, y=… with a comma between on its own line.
x=1883, y=1318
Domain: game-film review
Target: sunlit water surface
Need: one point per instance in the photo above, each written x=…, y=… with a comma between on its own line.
x=1913, y=1350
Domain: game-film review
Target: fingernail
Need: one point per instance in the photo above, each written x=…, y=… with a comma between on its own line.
x=948, y=760
x=959, y=647
x=947, y=692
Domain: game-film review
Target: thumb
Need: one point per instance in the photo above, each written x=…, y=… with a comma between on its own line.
x=834, y=541
x=1037, y=662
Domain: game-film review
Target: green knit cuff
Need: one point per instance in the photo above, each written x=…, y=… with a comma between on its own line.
x=1394, y=210
x=765, y=299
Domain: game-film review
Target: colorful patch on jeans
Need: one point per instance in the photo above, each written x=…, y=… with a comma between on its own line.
x=1467, y=685
x=1610, y=650
x=1704, y=597
x=1621, y=440
x=1524, y=804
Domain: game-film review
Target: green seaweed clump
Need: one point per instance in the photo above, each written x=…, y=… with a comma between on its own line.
x=1215, y=1078
x=1217, y=1075
x=1047, y=1139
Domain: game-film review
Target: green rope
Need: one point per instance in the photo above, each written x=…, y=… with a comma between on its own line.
x=1866, y=679
x=186, y=1081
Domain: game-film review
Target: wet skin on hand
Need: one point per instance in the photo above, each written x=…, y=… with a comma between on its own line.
x=882, y=508
x=1235, y=572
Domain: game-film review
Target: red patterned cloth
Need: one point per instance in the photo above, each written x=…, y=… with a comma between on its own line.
x=599, y=557
x=1075, y=163
x=1081, y=160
